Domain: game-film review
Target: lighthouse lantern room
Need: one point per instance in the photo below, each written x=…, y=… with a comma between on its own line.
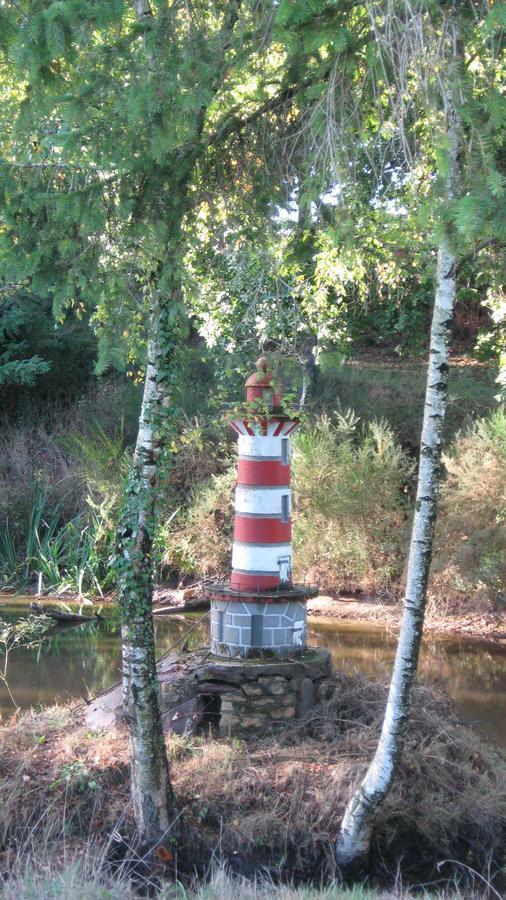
x=259, y=612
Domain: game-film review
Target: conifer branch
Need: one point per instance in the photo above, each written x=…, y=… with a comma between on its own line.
x=234, y=124
x=490, y=244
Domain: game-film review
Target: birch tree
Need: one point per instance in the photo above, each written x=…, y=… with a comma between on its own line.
x=356, y=828
x=447, y=96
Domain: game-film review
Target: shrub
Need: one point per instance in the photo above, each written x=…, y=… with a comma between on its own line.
x=197, y=540
x=199, y=450
x=470, y=548
x=350, y=504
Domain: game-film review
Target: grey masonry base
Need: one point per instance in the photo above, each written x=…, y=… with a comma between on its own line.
x=242, y=629
x=201, y=693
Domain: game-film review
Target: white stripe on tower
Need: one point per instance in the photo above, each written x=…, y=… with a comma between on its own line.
x=258, y=501
x=259, y=557
x=259, y=445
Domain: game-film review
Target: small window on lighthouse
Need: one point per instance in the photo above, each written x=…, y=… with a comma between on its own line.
x=257, y=630
x=285, y=507
x=285, y=451
x=285, y=569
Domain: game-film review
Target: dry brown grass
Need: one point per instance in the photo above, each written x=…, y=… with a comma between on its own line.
x=31, y=461
x=275, y=804
x=47, y=762
x=35, y=458
x=85, y=877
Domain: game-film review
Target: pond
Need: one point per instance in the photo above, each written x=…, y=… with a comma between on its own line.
x=74, y=661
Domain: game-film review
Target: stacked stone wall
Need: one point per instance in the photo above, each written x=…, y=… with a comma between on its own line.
x=244, y=697
x=258, y=697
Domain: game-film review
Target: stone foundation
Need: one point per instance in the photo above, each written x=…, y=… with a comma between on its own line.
x=200, y=693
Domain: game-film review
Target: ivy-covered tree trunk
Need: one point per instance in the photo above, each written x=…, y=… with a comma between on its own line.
x=153, y=800
x=152, y=795
x=354, y=838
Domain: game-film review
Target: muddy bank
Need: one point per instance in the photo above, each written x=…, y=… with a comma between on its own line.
x=444, y=616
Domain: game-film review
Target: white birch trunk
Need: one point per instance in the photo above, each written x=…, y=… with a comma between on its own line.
x=353, y=841
x=153, y=801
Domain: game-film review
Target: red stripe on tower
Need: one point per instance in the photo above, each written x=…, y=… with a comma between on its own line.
x=251, y=581
x=263, y=472
x=262, y=531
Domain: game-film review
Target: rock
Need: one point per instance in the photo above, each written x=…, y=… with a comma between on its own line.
x=287, y=712
x=106, y=711
x=314, y=663
x=253, y=722
x=276, y=685
x=325, y=690
x=262, y=702
x=229, y=701
x=307, y=697
x=288, y=699
x=184, y=719
x=230, y=724
x=252, y=690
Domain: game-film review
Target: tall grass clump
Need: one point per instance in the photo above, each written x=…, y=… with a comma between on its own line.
x=57, y=555
x=470, y=551
x=351, y=503
x=59, y=506
x=88, y=877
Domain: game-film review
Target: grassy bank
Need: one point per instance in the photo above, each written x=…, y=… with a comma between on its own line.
x=264, y=810
x=394, y=390
x=82, y=878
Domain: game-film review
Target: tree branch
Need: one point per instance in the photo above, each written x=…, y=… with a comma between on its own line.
x=143, y=10
x=233, y=123
x=491, y=243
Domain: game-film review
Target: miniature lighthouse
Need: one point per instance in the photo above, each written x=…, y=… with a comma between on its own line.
x=259, y=612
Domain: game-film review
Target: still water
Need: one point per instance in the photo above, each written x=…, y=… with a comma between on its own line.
x=74, y=661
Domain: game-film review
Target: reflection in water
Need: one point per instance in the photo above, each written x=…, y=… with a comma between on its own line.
x=472, y=671
x=75, y=661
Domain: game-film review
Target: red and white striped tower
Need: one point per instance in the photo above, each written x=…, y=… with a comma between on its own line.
x=262, y=549
x=259, y=610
